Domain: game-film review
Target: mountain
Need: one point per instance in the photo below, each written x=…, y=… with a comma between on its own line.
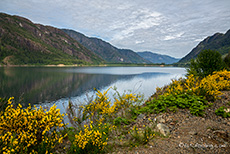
x=219, y=42
x=23, y=42
x=158, y=58
x=105, y=50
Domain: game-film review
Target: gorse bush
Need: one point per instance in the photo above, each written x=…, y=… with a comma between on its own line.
x=97, y=121
x=191, y=93
x=209, y=86
x=29, y=130
x=90, y=140
x=102, y=110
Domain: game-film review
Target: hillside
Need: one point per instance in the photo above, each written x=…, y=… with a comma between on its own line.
x=105, y=50
x=23, y=42
x=219, y=42
x=158, y=58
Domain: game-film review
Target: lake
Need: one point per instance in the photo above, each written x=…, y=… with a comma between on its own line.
x=48, y=85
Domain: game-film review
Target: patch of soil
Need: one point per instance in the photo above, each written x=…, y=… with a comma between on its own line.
x=188, y=133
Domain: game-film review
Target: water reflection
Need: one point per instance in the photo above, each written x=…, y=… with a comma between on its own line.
x=41, y=84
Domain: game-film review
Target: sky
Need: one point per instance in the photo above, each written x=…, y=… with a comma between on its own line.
x=172, y=27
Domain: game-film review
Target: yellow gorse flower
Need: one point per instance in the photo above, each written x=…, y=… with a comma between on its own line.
x=209, y=86
x=90, y=136
x=21, y=129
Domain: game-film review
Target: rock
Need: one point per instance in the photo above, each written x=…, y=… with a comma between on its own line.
x=227, y=110
x=160, y=119
x=192, y=133
x=163, y=129
x=222, y=134
x=140, y=117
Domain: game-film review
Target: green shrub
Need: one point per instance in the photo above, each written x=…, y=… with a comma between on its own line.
x=206, y=63
x=196, y=104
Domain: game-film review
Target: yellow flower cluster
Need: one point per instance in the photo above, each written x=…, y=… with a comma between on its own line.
x=209, y=86
x=126, y=100
x=90, y=137
x=100, y=107
x=21, y=130
x=213, y=84
x=95, y=115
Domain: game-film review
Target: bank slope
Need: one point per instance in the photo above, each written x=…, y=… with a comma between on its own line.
x=23, y=42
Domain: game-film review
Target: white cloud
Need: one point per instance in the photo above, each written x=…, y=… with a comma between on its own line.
x=139, y=19
x=139, y=42
x=174, y=36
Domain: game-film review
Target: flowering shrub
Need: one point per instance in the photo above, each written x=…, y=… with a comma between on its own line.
x=209, y=86
x=102, y=110
x=90, y=139
x=29, y=130
x=96, y=121
x=213, y=84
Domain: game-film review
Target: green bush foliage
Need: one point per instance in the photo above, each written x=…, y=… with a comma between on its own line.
x=206, y=63
x=196, y=104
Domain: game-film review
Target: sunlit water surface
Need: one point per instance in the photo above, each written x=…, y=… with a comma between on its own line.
x=49, y=85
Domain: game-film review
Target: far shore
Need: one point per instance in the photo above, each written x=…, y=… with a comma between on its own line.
x=100, y=65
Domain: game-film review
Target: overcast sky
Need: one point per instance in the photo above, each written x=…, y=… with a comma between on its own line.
x=171, y=27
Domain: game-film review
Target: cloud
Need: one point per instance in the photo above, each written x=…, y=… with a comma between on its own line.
x=139, y=19
x=139, y=42
x=167, y=27
x=174, y=36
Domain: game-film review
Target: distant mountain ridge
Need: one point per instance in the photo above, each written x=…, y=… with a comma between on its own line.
x=158, y=58
x=23, y=42
x=219, y=42
x=105, y=50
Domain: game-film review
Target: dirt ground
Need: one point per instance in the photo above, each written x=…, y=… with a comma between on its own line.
x=188, y=133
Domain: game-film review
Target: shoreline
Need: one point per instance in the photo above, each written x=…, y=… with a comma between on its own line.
x=101, y=65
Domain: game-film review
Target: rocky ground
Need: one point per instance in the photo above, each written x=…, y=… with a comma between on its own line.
x=186, y=133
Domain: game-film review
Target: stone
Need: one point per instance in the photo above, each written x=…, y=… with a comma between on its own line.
x=140, y=116
x=160, y=119
x=163, y=129
x=192, y=133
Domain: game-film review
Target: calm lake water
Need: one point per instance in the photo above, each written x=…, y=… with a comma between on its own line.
x=48, y=85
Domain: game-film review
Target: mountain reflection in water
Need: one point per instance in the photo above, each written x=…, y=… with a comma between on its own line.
x=44, y=84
